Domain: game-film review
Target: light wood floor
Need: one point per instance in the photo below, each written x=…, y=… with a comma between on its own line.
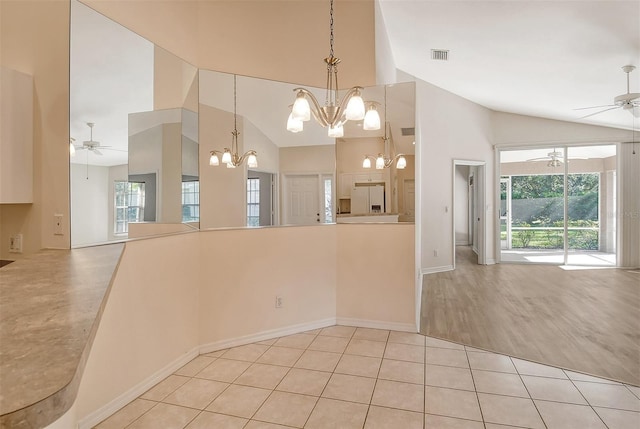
x=584, y=320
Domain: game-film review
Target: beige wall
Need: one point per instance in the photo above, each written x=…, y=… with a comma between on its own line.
x=237, y=297
x=150, y=318
x=213, y=35
x=350, y=154
x=308, y=159
x=174, y=81
x=375, y=272
x=35, y=40
x=176, y=295
x=222, y=201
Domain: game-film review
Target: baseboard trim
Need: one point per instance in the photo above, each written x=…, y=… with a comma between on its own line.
x=118, y=403
x=432, y=270
x=266, y=335
x=377, y=324
x=490, y=262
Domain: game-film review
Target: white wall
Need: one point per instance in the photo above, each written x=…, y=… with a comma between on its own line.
x=268, y=152
x=385, y=63
x=629, y=206
x=90, y=203
x=448, y=127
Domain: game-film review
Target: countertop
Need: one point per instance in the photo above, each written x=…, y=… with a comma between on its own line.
x=50, y=307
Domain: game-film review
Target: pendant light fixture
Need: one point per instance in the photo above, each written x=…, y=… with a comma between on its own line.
x=230, y=156
x=334, y=113
x=382, y=161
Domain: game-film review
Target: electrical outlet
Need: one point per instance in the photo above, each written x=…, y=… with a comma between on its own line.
x=15, y=243
x=57, y=224
x=435, y=253
x=278, y=301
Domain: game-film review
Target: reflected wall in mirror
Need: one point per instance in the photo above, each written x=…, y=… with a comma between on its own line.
x=376, y=174
x=294, y=182
x=114, y=74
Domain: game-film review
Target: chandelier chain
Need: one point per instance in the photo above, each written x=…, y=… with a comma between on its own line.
x=331, y=30
x=235, y=124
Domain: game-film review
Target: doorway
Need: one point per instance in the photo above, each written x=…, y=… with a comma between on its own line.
x=308, y=199
x=468, y=214
x=558, y=205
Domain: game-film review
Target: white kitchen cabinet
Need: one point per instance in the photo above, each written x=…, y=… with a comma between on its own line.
x=16, y=137
x=348, y=180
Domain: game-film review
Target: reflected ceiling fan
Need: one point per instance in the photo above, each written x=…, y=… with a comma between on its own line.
x=629, y=101
x=91, y=144
x=555, y=158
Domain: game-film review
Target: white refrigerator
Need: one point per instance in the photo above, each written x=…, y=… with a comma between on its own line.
x=367, y=199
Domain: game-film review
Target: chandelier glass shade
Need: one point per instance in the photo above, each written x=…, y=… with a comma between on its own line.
x=230, y=157
x=382, y=161
x=335, y=112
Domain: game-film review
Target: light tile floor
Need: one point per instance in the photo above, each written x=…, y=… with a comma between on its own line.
x=345, y=377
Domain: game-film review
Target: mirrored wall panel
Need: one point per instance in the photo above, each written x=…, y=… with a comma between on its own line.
x=126, y=92
x=302, y=178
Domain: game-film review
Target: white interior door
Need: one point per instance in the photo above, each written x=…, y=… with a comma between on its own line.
x=410, y=197
x=303, y=201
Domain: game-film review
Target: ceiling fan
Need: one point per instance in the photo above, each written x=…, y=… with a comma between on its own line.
x=555, y=158
x=91, y=144
x=629, y=101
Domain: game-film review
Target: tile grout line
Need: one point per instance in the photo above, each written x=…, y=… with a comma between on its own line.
x=473, y=380
x=375, y=383
x=528, y=393
x=585, y=398
x=331, y=376
x=285, y=375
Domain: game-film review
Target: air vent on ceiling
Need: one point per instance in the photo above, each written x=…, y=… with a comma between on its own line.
x=408, y=131
x=440, y=54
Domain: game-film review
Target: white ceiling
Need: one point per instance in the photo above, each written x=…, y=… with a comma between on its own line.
x=539, y=58
x=111, y=76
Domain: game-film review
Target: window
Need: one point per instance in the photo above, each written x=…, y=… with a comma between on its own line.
x=191, y=201
x=253, y=202
x=129, y=205
x=328, y=203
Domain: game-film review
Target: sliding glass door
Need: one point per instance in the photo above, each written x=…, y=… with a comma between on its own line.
x=558, y=205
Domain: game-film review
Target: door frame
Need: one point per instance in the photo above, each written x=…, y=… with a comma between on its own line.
x=318, y=175
x=480, y=183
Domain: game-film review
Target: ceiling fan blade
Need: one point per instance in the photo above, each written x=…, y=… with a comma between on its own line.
x=596, y=107
x=544, y=158
x=97, y=152
x=597, y=113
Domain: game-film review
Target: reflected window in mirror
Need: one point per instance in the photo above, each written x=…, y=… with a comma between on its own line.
x=129, y=205
x=191, y=201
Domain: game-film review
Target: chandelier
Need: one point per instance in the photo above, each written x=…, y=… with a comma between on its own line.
x=382, y=161
x=335, y=112
x=230, y=156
